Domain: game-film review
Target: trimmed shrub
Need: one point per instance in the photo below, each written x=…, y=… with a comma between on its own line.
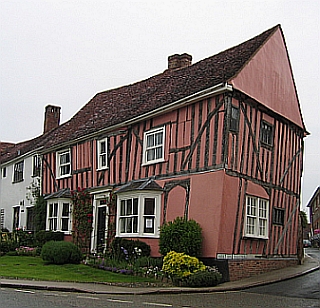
x=61, y=252
x=42, y=237
x=123, y=249
x=179, y=265
x=181, y=235
x=203, y=279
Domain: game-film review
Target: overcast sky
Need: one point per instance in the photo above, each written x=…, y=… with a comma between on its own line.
x=64, y=52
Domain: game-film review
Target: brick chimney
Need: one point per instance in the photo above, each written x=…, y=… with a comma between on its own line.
x=179, y=61
x=51, y=118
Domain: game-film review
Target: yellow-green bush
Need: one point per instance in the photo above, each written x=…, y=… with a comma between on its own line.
x=179, y=265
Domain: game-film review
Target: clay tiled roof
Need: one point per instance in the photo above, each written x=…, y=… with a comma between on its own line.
x=115, y=106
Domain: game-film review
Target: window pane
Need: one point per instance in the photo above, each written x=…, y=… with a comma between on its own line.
x=158, y=137
x=64, y=224
x=65, y=209
x=128, y=225
x=148, y=224
x=102, y=147
x=158, y=152
x=135, y=224
x=55, y=210
x=135, y=206
x=129, y=207
x=150, y=154
x=150, y=140
x=149, y=204
x=50, y=209
x=103, y=160
x=122, y=208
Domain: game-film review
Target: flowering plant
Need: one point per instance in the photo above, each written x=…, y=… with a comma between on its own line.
x=26, y=251
x=82, y=218
x=179, y=265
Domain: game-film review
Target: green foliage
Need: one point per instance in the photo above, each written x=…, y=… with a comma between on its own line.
x=203, y=279
x=61, y=252
x=179, y=265
x=42, y=237
x=82, y=213
x=40, y=205
x=123, y=249
x=181, y=235
x=304, y=219
x=40, y=214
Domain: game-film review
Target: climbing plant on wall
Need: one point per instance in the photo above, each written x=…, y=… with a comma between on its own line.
x=82, y=214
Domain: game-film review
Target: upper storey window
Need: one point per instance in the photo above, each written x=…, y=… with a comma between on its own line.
x=153, y=146
x=36, y=165
x=102, y=153
x=234, y=119
x=266, y=134
x=63, y=163
x=18, y=172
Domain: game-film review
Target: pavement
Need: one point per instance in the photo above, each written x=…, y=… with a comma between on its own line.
x=309, y=265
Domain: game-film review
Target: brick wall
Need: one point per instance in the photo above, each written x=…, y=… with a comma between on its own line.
x=239, y=269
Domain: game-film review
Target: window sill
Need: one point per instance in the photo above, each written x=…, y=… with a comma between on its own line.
x=145, y=235
x=19, y=181
x=101, y=169
x=256, y=237
x=64, y=176
x=153, y=162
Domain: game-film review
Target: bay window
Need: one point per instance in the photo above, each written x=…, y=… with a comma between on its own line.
x=59, y=215
x=138, y=214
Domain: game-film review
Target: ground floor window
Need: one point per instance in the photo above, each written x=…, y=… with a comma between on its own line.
x=138, y=214
x=256, y=220
x=16, y=217
x=30, y=218
x=59, y=215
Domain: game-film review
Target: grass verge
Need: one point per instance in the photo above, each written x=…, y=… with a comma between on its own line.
x=23, y=267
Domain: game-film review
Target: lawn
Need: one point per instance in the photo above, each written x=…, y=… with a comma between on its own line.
x=23, y=267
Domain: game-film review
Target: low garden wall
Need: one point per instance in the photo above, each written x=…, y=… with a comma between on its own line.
x=244, y=268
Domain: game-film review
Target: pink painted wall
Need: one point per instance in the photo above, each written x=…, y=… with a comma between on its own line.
x=205, y=207
x=268, y=78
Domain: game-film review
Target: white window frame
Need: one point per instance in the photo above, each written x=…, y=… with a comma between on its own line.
x=61, y=166
x=55, y=216
x=36, y=165
x=102, y=156
x=142, y=219
x=18, y=168
x=158, y=148
x=257, y=217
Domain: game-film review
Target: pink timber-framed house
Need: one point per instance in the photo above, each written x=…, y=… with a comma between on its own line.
x=219, y=141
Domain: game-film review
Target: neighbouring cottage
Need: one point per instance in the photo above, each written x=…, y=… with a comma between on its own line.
x=219, y=141
x=21, y=175
x=314, y=215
